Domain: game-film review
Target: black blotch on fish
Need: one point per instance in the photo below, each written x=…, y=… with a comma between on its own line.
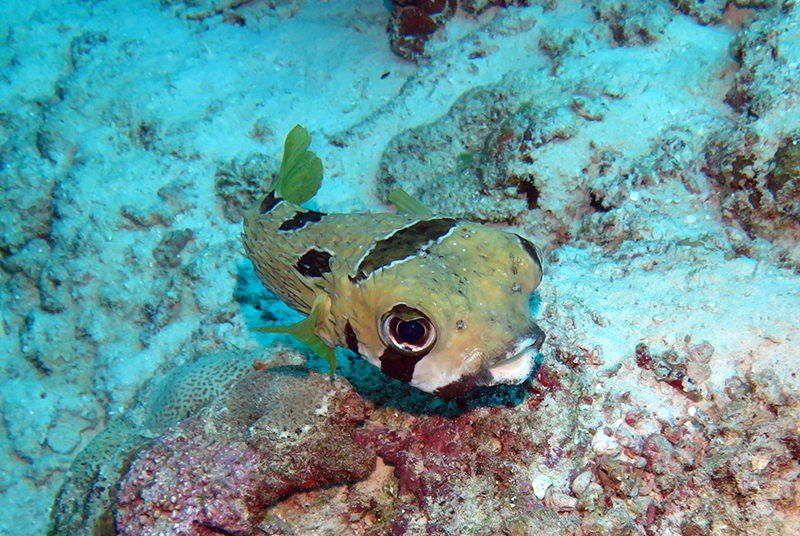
x=402, y=244
x=399, y=366
x=299, y=220
x=314, y=263
x=351, y=338
x=463, y=385
x=269, y=202
x=530, y=250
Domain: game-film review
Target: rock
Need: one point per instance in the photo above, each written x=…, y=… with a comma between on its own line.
x=274, y=433
x=562, y=502
x=540, y=485
x=168, y=252
x=605, y=445
x=581, y=482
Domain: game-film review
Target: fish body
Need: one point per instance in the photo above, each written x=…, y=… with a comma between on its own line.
x=436, y=302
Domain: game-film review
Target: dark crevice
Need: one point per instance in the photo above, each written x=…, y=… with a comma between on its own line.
x=531, y=193
x=597, y=203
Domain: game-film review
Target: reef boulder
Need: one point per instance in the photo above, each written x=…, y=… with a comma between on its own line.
x=274, y=433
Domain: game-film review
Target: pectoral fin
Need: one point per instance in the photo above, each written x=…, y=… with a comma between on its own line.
x=406, y=204
x=305, y=332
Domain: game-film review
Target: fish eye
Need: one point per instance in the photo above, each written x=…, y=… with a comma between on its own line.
x=408, y=331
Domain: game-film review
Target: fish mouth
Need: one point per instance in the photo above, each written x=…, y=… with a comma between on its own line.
x=511, y=370
x=520, y=364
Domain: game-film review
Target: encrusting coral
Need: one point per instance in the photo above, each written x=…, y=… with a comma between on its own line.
x=84, y=505
x=272, y=434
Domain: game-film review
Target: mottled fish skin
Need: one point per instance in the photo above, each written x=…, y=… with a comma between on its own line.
x=380, y=273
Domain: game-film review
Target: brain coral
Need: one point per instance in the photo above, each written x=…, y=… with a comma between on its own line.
x=192, y=386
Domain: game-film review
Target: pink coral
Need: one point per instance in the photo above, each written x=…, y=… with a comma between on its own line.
x=275, y=433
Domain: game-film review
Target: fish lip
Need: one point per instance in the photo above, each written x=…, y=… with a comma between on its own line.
x=511, y=370
x=520, y=364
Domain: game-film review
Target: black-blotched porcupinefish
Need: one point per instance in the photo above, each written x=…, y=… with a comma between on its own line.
x=436, y=302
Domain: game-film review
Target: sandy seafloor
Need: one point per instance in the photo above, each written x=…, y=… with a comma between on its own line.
x=105, y=103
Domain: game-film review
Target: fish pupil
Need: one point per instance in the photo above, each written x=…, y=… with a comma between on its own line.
x=410, y=331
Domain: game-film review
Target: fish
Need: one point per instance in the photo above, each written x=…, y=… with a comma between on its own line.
x=433, y=301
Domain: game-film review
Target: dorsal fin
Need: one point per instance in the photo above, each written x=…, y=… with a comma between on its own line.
x=301, y=170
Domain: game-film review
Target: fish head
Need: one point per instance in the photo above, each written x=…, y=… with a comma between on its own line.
x=454, y=317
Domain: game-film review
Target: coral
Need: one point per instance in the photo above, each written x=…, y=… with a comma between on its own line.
x=412, y=22
x=634, y=23
x=758, y=184
x=769, y=72
x=84, y=504
x=566, y=460
x=272, y=434
x=82, y=507
x=445, y=465
x=239, y=183
x=191, y=387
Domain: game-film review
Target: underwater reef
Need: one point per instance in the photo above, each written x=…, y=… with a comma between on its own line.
x=287, y=451
x=272, y=434
x=648, y=149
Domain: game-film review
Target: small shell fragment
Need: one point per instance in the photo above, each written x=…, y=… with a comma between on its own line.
x=604, y=445
x=540, y=484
